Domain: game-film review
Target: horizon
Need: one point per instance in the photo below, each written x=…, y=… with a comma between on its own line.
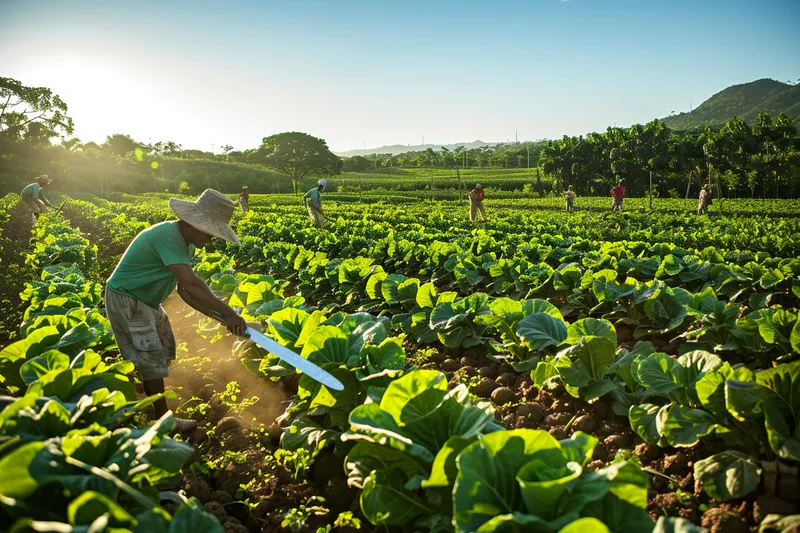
x=359, y=73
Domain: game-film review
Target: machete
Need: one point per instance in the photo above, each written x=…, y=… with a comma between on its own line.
x=288, y=356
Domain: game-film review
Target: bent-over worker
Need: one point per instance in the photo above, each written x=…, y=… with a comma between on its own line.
x=156, y=261
x=34, y=197
x=312, y=200
x=244, y=196
x=706, y=197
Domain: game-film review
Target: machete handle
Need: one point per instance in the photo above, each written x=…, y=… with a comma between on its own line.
x=255, y=325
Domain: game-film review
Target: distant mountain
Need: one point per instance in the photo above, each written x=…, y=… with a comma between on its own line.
x=745, y=101
x=403, y=148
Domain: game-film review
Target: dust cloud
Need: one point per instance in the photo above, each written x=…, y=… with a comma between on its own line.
x=203, y=368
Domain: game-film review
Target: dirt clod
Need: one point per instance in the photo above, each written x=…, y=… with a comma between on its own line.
x=647, y=452
x=556, y=419
x=485, y=388
x=503, y=395
x=531, y=411
x=488, y=372
x=226, y=424
x=221, y=496
x=450, y=365
x=234, y=526
x=216, y=509
x=615, y=442
x=677, y=464
x=721, y=520
x=585, y=423
x=197, y=487
x=507, y=379
x=600, y=452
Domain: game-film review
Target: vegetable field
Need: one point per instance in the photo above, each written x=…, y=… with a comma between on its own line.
x=540, y=372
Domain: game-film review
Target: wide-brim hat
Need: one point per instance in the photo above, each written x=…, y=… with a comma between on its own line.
x=211, y=213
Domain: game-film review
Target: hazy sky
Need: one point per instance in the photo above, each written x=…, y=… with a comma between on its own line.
x=388, y=71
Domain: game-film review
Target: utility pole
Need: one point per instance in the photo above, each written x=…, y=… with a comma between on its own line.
x=423, y=140
x=528, y=148
x=212, y=147
x=516, y=136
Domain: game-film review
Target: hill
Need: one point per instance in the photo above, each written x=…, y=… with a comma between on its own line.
x=746, y=101
x=403, y=148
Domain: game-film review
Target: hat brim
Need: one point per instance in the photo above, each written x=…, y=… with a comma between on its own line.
x=195, y=217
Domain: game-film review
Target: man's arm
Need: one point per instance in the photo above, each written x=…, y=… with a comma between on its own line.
x=196, y=294
x=43, y=198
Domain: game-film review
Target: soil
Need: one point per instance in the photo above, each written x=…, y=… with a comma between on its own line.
x=235, y=474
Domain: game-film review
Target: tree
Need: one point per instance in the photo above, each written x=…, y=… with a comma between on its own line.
x=357, y=163
x=226, y=150
x=298, y=154
x=119, y=144
x=71, y=144
x=21, y=107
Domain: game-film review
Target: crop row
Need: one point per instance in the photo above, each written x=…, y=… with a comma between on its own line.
x=690, y=302
x=71, y=457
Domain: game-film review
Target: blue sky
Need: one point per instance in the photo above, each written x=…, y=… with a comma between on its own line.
x=386, y=71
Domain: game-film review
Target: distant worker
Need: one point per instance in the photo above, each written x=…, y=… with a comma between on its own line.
x=244, y=196
x=34, y=197
x=618, y=195
x=476, y=196
x=158, y=260
x=569, y=196
x=312, y=200
x=706, y=196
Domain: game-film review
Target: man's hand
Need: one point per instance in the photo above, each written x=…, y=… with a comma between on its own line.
x=235, y=323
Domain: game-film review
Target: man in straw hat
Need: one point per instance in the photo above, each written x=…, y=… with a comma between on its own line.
x=157, y=260
x=476, y=196
x=34, y=197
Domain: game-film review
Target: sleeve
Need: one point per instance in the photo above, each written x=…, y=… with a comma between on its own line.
x=171, y=252
x=42, y=197
x=307, y=195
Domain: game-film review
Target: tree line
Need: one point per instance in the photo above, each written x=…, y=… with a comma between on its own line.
x=759, y=160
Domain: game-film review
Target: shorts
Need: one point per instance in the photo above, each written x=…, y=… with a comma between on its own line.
x=617, y=202
x=32, y=203
x=316, y=217
x=143, y=334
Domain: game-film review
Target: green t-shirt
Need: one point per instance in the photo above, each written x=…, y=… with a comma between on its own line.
x=314, y=195
x=142, y=272
x=32, y=190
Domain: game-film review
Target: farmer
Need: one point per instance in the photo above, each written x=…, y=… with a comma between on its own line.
x=476, y=203
x=34, y=197
x=618, y=195
x=569, y=196
x=156, y=261
x=244, y=196
x=312, y=200
x=706, y=196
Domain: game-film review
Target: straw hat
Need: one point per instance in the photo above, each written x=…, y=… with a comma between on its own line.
x=477, y=185
x=211, y=213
